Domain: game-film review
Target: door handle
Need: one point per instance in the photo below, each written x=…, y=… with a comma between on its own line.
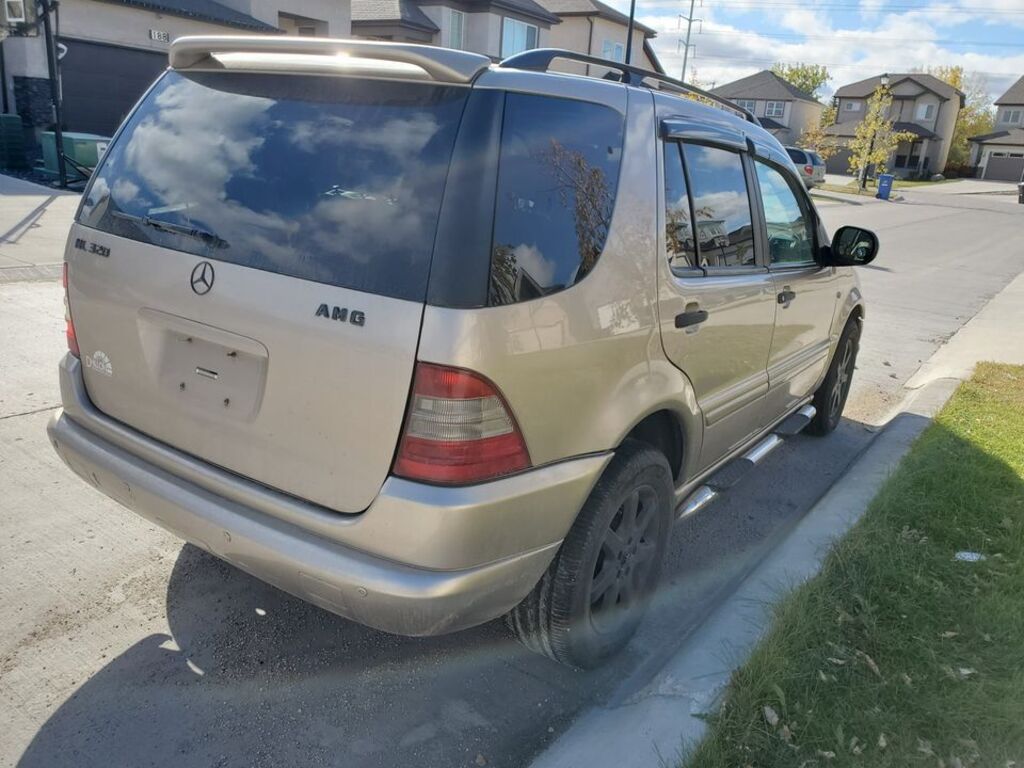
x=687, y=319
x=786, y=296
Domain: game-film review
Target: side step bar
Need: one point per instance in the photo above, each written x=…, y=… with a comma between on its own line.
x=736, y=469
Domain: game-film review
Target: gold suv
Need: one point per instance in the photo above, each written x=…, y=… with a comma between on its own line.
x=427, y=340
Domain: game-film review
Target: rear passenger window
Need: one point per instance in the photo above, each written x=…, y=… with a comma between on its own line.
x=790, y=232
x=682, y=250
x=797, y=156
x=558, y=170
x=721, y=207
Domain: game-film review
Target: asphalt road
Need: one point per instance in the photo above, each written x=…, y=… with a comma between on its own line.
x=120, y=646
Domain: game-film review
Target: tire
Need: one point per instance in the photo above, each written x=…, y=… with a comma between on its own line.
x=830, y=399
x=617, y=545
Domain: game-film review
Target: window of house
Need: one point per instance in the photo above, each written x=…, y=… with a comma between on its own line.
x=775, y=109
x=613, y=51
x=747, y=104
x=787, y=219
x=679, y=243
x=851, y=106
x=925, y=111
x=15, y=11
x=1012, y=115
x=558, y=171
x=517, y=36
x=457, y=30
x=721, y=206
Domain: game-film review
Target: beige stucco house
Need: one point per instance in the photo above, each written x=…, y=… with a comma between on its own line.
x=596, y=29
x=782, y=108
x=922, y=105
x=111, y=50
x=999, y=155
x=495, y=28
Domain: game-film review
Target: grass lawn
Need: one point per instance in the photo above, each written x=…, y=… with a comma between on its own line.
x=898, y=654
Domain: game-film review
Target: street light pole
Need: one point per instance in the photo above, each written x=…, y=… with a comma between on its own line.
x=629, y=31
x=686, y=47
x=47, y=7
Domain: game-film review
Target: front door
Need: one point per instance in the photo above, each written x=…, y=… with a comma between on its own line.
x=806, y=293
x=717, y=305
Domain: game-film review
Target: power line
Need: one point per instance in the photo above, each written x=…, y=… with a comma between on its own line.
x=797, y=37
x=753, y=5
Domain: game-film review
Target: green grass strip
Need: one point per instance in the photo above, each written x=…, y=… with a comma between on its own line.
x=897, y=653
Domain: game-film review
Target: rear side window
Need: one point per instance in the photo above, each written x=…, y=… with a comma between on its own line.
x=815, y=159
x=681, y=247
x=329, y=179
x=721, y=207
x=797, y=156
x=558, y=171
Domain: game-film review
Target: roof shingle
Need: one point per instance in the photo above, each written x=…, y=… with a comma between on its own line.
x=762, y=85
x=864, y=88
x=392, y=11
x=203, y=10
x=593, y=8
x=1014, y=95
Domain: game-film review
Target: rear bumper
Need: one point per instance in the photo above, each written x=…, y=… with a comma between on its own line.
x=496, y=539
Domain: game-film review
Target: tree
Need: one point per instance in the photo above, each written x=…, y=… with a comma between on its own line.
x=818, y=139
x=807, y=77
x=974, y=118
x=875, y=140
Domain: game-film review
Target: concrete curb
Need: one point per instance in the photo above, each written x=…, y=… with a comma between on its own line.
x=664, y=720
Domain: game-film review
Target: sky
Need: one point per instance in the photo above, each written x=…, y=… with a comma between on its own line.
x=855, y=39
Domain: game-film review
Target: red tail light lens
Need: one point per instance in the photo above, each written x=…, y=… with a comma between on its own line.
x=458, y=430
x=69, y=323
x=809, y=169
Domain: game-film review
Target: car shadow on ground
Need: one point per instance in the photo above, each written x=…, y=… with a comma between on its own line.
x=250, y=675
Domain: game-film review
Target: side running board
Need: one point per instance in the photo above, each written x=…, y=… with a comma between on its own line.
x=736, y=470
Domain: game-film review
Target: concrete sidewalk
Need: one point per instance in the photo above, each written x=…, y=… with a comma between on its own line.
x=34, y=223
x=661, y=723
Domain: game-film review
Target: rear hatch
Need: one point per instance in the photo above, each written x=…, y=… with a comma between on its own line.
x=248, y=270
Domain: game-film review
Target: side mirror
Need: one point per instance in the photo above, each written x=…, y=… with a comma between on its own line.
x=852, y=247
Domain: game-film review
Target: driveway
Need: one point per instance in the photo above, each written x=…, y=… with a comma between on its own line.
x=122, y=646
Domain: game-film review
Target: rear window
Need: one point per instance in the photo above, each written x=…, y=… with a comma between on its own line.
x=329, y=179
x=797, y=156
x=557, y=176
x=815, y=160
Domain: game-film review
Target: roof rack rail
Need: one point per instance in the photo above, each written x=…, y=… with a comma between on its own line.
x=539, y=60
x=441, y=64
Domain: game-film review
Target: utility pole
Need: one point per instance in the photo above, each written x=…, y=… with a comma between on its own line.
x=47, y=6
x=629, y=31
x=689, y=28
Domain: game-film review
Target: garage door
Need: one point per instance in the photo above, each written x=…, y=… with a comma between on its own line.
x=839, y=162
x=101, y=83
x=1004, y=169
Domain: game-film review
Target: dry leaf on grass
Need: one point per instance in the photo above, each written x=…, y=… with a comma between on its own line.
x=882, y=741
x=770, y=716
x=870, y=662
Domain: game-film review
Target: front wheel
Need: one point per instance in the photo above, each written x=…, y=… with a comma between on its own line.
x=594, y=594
x=830, y=399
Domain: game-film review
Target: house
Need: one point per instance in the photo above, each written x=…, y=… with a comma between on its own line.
x=596, y=29
x=783, y=109
x=502, y=28
x=495, y=28
x=111, y=50
x=922, y=105
x=1000, y=155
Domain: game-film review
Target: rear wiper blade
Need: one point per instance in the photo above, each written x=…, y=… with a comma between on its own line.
x=178, y=229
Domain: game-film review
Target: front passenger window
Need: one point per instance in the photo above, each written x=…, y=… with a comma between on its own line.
x=721, y=207
x=790, y=234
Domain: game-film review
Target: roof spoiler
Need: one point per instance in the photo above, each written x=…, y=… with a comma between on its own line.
x=441, y=64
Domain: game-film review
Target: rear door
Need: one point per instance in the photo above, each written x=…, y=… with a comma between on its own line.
x=249, y=266
x=806, y=298
x=718, y=307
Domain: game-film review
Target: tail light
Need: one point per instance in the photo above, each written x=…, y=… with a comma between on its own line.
x=69, y=323
x=809, y=170
x=458, y=430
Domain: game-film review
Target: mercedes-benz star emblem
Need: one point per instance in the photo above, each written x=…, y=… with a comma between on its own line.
x=202, y=277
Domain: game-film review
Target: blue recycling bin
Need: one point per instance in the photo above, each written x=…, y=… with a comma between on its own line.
x=884, y=185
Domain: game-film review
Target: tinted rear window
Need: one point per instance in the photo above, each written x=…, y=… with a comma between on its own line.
x=329, y=179
x=815, y=160
x=797, y=156
x=557, y=177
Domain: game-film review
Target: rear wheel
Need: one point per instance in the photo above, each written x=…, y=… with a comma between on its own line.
x=594, y=595
x=830, y=399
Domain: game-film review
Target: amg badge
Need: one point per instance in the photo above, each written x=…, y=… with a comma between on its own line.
x=341, y=314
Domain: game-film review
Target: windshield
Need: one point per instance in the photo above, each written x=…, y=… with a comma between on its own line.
x=335, y=180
